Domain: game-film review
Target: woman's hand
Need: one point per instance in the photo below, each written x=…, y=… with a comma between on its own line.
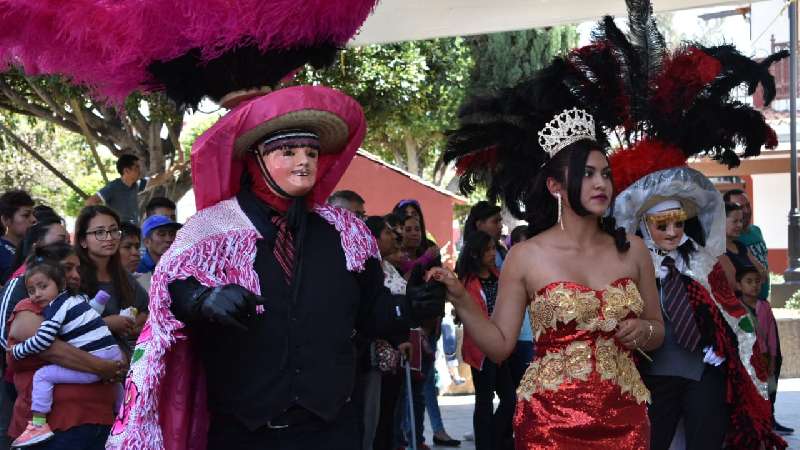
x=633, y=333
x=455, y=290
x=120, y=325
x=112, y=371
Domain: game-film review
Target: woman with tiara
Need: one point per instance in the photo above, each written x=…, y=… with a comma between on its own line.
x=589, y=314
x=590, y=287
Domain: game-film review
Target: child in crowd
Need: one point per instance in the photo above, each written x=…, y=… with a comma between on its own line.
x=478, y=272
x=748, y=285
x=72, y=319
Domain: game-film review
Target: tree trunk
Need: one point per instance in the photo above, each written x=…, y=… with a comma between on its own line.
x=24, y=145
x=399, y=160
x=412, y=155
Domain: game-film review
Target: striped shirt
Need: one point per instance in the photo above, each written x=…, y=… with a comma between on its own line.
x=12, y=293
x=71, y=319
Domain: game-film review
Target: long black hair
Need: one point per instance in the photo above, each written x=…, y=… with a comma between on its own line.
x=731, y=207
x=469, y=260
x=119, y=276
x=57, y=251
x=567, y=167
x=400, y=210
x=34, y=237
x=376, y=224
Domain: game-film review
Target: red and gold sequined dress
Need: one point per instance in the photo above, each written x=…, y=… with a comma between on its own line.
x=583, y=390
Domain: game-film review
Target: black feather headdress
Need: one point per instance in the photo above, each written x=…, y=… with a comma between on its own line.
x=497, y=144
x=638, y=93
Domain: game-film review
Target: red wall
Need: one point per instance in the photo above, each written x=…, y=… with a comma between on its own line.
x=382, y=187
x=778, y=260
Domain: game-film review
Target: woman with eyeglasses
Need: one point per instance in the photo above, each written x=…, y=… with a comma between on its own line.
x=97, y=240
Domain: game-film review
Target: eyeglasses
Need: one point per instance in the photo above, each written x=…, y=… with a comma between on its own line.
x=105, y=235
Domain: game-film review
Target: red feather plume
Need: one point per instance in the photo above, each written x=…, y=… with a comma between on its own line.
x=486, y=158
x=645, y=157
x=685, y=73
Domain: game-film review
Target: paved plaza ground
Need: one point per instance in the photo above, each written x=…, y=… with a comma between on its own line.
x=457, y=414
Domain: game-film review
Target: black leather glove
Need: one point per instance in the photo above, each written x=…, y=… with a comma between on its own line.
x=426, y=299
x=228, y=305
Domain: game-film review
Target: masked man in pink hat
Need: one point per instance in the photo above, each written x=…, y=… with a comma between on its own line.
x=255, y=306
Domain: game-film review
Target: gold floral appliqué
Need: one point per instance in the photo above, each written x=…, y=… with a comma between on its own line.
x=591, y=311
x=564, y=304
x=575, y=363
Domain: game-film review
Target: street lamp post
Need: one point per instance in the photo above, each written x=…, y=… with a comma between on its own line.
x=792, y=274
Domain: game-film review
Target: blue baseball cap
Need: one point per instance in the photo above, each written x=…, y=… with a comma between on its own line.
x=153, y=222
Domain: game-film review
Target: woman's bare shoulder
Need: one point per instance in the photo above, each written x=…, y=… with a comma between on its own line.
x=527, y=251
x=638, y=246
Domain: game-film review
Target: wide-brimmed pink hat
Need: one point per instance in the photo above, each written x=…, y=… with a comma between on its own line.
x=337, y=119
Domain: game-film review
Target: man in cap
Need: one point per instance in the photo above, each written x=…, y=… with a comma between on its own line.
x=158, y=233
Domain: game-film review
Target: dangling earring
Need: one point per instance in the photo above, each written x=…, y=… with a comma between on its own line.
x=560, y=221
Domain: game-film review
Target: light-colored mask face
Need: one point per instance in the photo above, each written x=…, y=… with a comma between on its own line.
x=293, y=169
x=667, y=228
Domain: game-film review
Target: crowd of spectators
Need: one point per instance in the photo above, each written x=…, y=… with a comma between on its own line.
x=406, y=247
x=408, y=250
x=110, y=254
x=113, y=251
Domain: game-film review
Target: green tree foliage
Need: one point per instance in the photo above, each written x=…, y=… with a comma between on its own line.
x=505, y=59
x=68, y=151
x=410, y=92
x=148, y=126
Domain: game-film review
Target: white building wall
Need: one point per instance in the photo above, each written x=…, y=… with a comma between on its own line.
x=771, y=207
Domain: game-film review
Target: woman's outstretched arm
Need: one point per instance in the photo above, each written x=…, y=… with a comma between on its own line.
x=496, y=337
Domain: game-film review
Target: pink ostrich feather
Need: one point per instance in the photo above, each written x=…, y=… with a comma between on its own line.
x=107, y=45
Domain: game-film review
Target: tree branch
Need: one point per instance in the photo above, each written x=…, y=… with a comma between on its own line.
x=56, y=108
x=89, y=138
x=44, y=162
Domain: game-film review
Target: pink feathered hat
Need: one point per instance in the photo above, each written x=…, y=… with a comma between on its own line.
x=337, y=118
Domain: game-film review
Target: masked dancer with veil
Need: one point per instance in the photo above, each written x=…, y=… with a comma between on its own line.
x=708, y=371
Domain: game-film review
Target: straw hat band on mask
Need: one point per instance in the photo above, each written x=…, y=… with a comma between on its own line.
x=659, y=207
x=666, y=211
x=331, y=130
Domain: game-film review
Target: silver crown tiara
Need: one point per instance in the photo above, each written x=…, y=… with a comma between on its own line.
x=570, y=126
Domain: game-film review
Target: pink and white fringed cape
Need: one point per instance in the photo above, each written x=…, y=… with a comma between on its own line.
x=165, y=395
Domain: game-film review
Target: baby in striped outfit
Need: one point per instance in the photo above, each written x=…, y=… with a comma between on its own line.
x=72, y=319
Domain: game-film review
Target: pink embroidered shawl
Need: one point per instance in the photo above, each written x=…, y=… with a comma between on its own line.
x=165, y=404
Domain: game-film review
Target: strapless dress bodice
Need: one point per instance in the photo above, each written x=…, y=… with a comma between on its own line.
x=574, y=327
